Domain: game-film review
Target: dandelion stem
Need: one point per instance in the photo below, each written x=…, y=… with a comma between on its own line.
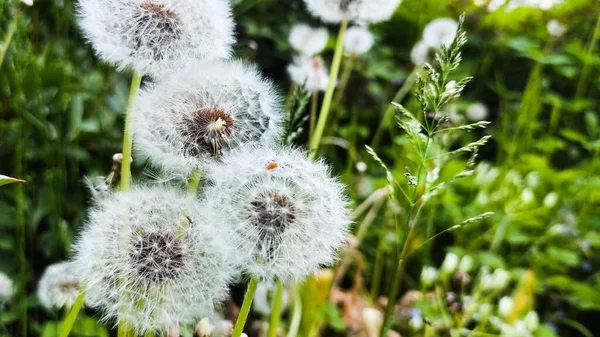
x=315, y=141
x=313, y=114
x=7, y=39
x=296, y=313
x=127, y=137
x=276, y=309
x=245, y=310
x=69, y=320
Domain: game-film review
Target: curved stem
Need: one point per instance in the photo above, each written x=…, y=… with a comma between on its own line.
x=245, y=310
x=296, y=313
x=313, y=114
x=276, y=309
x=326, y=107
x=12, y=27
x=127, y=137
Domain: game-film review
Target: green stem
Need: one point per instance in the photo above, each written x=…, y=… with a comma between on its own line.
x=326, y=107
x=22, y=228
x=7, y=39
x=245, y=310
x=127, y=137
x=290, y=97
x=296, y=313
x=313, y=114
x=276, y=309
x=389, y=111
x=345, y=78
x=69, y=320
x=586, y=62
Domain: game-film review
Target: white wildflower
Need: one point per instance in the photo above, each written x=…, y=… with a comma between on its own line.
x=419, y=53
x=358, y=40
x=310, y=72
x=416, y=322
x=27, y=2
x=440, y=32
x=532, y=321
x=307, y=40
x=494, y=5
x=450, y=264
x=500, y=279
x=550, y=200
x=527, y=196
x=289, y=216
x=59, y=287
x=466, y=264
x=556, y=28
x=361, y=11
x=428, y=275
x=373, y=320
x=541, y=4
x=194, y=116
x=149, y=36
x=477, y=112
x=150, y=258
x=505, y=306
x=262, y=303
x=204, y=328
x=361, y=167
x=6, y=289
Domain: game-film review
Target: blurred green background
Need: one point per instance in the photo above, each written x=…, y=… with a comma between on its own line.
x=61, y=120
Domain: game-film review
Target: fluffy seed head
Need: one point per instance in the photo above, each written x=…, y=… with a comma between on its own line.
x=361, y=11
x=358, y=40
x=205, y=110
x=6, y=289
x=148, y=257
x=311, y=72
x=307, y=40
x=288, y=218
x=477, y=112
x=440, y=32
x=59, y=287
x=149, y=36
x=419, y=53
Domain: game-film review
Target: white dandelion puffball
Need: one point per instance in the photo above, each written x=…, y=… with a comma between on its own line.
x=419, y=53
x=288, y=215
x=556, y=28
x=310, y=72
x=361, y=11
x=195, y=115
x=6, y=289
x=59, y=286
x=477, y=112
x=440, y=32
x=149, y=35
x=149, y=258
x=307, y=40
x=358, y=40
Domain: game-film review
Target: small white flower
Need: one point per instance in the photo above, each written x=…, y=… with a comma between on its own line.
x=205, y=110
x=487, y=282
x=440, y=32
x=466, y=264
x=450, y=264
x=358, y=40
x=556, y=28
x=27, y=2
x=361, y=167
x=505, y=306
x=361, y=11
x=204, y=328
x=373, y=320
x=419, y=53
x=262, y=303
x=59, y=287
x=541, y=4
x=500, y=279
x=149, y=36
x=311, y=72
x=477, y=112
x=550, y=200
x=150, y=258
x=428, y=275
x=416, y=322
x=485, y=309
x=532, y=321
x=494, y=5
x=6, y=289
x=527, y=196
x=288, y=215
x=307, y=40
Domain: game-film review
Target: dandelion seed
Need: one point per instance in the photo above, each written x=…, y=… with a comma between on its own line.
x=310, y=72
x=150, y=36
x=361, y=11
x=477, y=112
x=59, y=287
x=358, y=40
x=6, y=289
x=144, y=264
x=288, y=221
x=440, y=32
x=202, y=112
x=307, y=40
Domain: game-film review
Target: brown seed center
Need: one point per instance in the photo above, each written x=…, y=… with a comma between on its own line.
x=206, y=130
x=271, y=213
x=156, y=257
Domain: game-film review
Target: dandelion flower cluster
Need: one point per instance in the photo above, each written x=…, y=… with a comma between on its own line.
x=361, y=11
x=190, y=118
x=358, y=40
x=59, y=286
x=309, y=72
x=307, y=40
x=150, y=257
x=150, y=36
x=287, y=214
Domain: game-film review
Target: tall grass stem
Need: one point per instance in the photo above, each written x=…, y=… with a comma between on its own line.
x=245, y=310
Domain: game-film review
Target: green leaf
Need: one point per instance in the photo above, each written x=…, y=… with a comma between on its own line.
x=5, y=180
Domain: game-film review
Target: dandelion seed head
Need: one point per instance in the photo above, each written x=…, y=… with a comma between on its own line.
x=440, y=32
x=6, y=289
x=287, y=220
x=197, y=115
x=556, y=28
x=307, y=40
x=477, y=112
x=358, y=40
x=59, y=287
x=150, y=36
x=310, y=72
x=143, y=262
x=361, y=11
x=419, y=53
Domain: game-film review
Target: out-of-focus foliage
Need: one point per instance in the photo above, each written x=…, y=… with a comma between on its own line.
x=540, y=174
